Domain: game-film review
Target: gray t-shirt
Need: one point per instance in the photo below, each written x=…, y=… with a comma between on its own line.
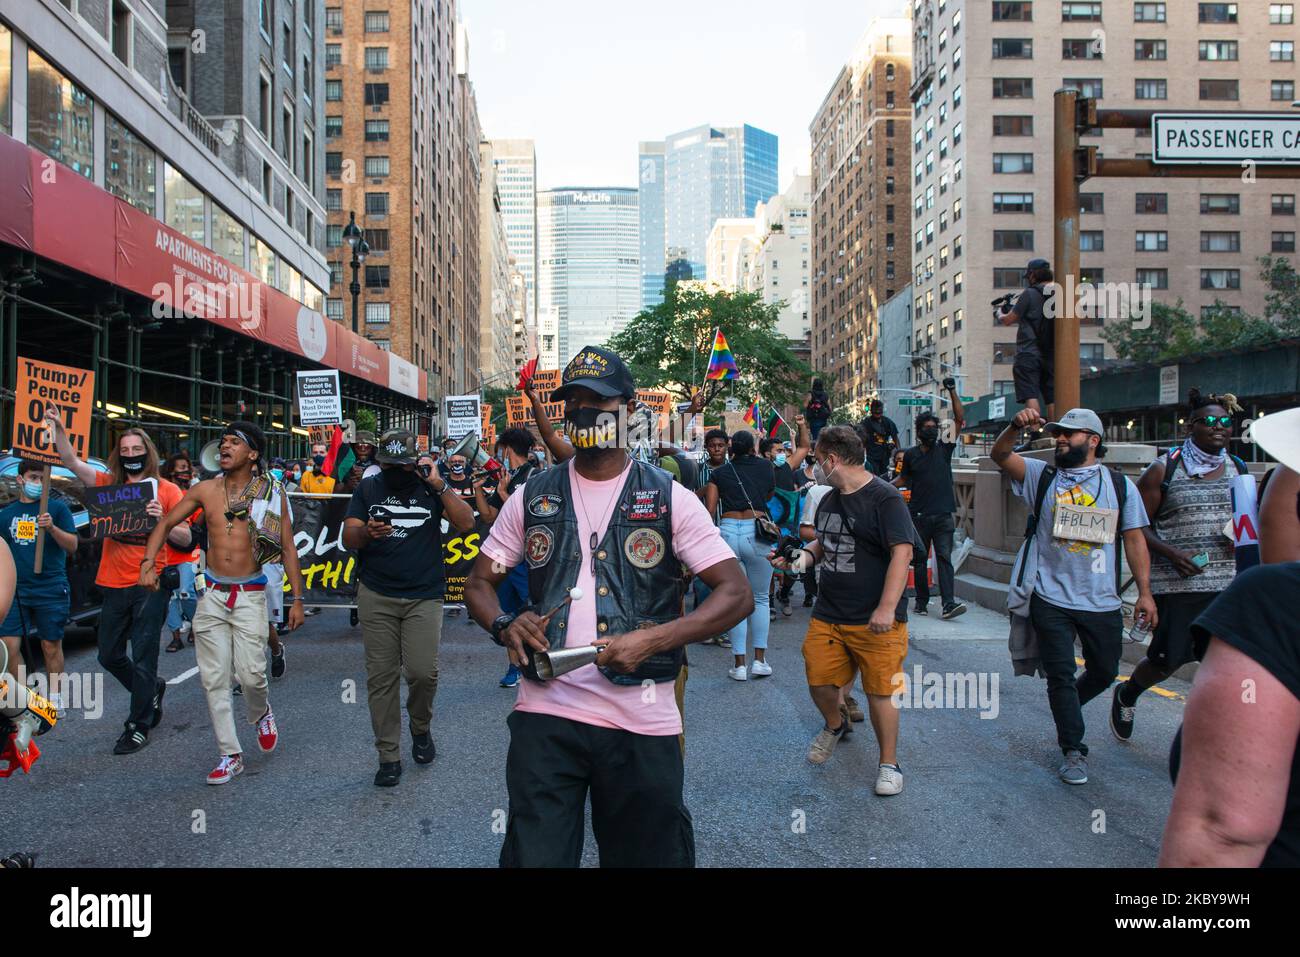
x=1077, y=575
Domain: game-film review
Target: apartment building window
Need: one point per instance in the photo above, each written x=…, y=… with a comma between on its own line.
x=377, y=277
x=956, y=58
x=308, y=162
x=929, y=129
x=943, y=39
x=334, y=19
x=889, y=185
x=957, y=316
x=264, y=17
x=376, y=166
x=378, y=312
x=333, y=200
x=1155, y=278
x=929, y=333
x=1080, y=49
x=333, y=127
x=1092, y=352
x=943, y=148
x=1151, y=203
x=333, y=236
x=333, y=91
x=956, y=134
x=333, y=55
x=376, y=21
x=1080, y=11
x=1151, y=89
x=1092, y=275
x=129, y=165
x=943, y=328
x=1012, y=87
x=1148, y=13
x=1017, y=239
x=1284, y=242
x=376, y=131
x=336, y=272
x=286, y=49
x=60, y=117
x=1220, y=203
x=1013, y=162
x=376, y=204
x=929, y=232
x=1092, y=241
x=334, y=310
x=1217, y=12
x=1013, y=12
x=943, y=74
x=1008, y=277
x=1150, y=50
x=1087, y=86
x=1151, y=241
x=1217, y=50
x=956, y=210
x=943, y=256
x=956, y=248
x=376, y=239
x=1013, y=48
x=1013, y=202
x=1219, y=90
x=956, y=96
x=917, y=172
x=957, y=281
x=1281, y=51
x=182, y=204
x=943, y=297
x=929, y=162
x=1282, y=90
x=227, y=236
x=1013, y=126
x=376, y=59
x=1283, y=204
x=1281, y=13
x=1092, y=202
x=334, y=164
x=286, y=133
x=376, y=94
x=1220, y=278
x=1220, y=242
x=264, y=104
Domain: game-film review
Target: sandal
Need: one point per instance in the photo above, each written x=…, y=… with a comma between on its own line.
x=176, y=644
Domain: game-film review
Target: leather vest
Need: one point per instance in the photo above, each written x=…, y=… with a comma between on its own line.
x=638, y=578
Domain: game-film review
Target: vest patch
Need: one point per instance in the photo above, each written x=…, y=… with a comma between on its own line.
x=545, y=505
x=645, y=548
x=538, y=546
x=645, y=506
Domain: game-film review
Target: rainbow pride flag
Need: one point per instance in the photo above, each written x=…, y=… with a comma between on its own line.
x=722, y=365
x=753, y=416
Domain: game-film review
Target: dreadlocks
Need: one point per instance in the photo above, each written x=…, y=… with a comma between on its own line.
x=1196, y=401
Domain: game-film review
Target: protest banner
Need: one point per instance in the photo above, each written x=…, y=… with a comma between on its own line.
x=118, y=511
x=44, y=385
x=320, y=401
x=461, y=415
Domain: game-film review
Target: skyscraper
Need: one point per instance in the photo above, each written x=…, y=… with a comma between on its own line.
x=708, y=173
x=516, y=169
x=589, y=273
x=654, y=259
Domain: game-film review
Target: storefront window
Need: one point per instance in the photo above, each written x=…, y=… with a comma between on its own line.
x=227, y=236
x=312, y=297
x=6, y=74
x=60, y=117
x=291, y=282
x=184, y=204
x=129, y=172
x=263, y=261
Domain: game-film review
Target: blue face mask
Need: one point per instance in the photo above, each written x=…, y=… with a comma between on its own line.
x=32, y=489
x=780, y=459
x=278, y=474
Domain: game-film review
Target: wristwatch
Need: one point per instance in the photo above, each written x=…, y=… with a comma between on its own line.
x=500, y=624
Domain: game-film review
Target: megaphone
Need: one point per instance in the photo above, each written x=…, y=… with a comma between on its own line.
x=475, y=454
x=208, y=457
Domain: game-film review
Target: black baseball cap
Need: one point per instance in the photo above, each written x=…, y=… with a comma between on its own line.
x=1037, y=264
x=596, y=369
x=397, y=447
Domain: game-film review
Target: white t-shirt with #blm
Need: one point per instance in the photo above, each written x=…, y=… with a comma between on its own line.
x=586, y=695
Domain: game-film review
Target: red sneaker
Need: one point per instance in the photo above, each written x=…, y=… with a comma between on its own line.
x=227, y=768
x=267, y=732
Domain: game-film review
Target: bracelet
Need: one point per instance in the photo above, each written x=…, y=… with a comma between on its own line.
x=297, y=598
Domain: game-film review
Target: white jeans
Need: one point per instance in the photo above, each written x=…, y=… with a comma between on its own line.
x=226, y=638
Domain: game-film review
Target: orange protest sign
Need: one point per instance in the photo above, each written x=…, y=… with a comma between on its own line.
x=486, y=416
x=489, y=435
x=44, y=385
x=545, y=381
x=517, y=411
x=422, y=443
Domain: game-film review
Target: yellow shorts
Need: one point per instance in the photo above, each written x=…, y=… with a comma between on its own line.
x=830, y=653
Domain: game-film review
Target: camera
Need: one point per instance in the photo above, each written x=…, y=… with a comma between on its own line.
x=788, y=547
x=1003, y=302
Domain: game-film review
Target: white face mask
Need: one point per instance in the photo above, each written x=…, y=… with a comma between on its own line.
x=820, y=475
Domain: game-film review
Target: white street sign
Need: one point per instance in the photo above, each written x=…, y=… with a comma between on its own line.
x=1232, y=138
x=998, y=407
x=1169, y=385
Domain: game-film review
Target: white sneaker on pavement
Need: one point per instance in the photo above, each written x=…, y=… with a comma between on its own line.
x=761, y=669
x=889, y=780
x=738, y=673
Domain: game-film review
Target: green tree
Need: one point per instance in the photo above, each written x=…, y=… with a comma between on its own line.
x=1172, y=332
x=668, y=347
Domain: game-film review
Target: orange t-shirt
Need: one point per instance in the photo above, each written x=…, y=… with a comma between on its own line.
x=119, y=566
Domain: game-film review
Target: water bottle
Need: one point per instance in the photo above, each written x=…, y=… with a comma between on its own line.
x=1140, y=630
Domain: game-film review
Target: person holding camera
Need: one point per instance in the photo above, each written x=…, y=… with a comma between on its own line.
x=927, y=473
x=1035, y=311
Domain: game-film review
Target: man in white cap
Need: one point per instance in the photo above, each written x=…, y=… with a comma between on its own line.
x=1075, y=533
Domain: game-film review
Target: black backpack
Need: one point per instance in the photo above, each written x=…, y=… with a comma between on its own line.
x=1045, y=481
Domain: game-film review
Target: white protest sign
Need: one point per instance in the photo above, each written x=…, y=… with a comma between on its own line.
x=320, y=401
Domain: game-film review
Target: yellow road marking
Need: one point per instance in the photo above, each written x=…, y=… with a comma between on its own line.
x=1171, y=695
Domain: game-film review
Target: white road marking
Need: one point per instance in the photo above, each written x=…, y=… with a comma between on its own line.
x=186, y=676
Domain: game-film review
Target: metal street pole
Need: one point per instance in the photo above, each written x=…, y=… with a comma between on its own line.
x=1066, y=248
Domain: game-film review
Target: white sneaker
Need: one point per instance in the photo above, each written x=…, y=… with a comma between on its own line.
x=889, y=780
x=56, y=699
x=738, y=673
x=761, y=669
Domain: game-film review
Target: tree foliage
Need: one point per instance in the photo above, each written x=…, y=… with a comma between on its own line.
x=668, y=347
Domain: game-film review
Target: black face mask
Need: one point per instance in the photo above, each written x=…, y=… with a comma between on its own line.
x=318, y=460
x=592, y=430
x=929, y=435
x=133, y=464
x=399, y=479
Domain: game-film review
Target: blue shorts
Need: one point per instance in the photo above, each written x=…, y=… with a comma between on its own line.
x=45, y=620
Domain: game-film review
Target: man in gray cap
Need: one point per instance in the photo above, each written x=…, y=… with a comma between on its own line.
x=1074, y=535
x=394, y=524
x=1035, y=310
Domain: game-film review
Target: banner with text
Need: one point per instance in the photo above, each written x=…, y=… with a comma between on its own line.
x=320, y=400
x=42, y=386
x=461, y=415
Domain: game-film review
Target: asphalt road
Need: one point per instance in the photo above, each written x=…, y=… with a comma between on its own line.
x=979, y=791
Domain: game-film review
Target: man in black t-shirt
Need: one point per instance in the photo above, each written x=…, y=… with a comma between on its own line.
x=879, y=437
x=927, y=474
x=394, y=524
x=865, y=542
x=1034, y=310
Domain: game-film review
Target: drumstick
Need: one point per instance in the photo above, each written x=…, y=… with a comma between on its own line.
x=575, y=594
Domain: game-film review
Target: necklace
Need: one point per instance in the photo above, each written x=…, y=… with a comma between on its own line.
x=241, y=509
x=593, y=539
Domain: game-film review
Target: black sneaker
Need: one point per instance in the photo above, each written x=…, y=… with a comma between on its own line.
x=952, y=610
x=388, y=774
x=133, y=739
x=237, y=689
x=422, y=748
x=808, y=600
x=277, y=664
x=1121, y=716
x=157, y=703
x=920, y=609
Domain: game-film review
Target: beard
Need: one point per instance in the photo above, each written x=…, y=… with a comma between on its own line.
x=1071, y=458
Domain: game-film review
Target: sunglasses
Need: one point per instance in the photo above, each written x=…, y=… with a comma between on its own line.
x=1213, y=421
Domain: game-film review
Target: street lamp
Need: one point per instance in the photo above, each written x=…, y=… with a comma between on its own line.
x=360, y=250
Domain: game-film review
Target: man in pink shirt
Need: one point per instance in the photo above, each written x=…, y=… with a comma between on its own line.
x=619, y=530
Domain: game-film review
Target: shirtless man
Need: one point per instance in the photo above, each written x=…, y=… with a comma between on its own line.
x=230, y=625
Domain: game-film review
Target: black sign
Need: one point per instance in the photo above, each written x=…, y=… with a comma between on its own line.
x=118, y=512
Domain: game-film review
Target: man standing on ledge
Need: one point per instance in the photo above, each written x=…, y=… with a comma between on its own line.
x=879, y=437
x=619, y=530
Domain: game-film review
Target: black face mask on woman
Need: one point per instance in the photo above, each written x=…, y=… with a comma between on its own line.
x=133, y=464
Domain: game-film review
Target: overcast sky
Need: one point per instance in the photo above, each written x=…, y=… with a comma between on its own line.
x=589, y=79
